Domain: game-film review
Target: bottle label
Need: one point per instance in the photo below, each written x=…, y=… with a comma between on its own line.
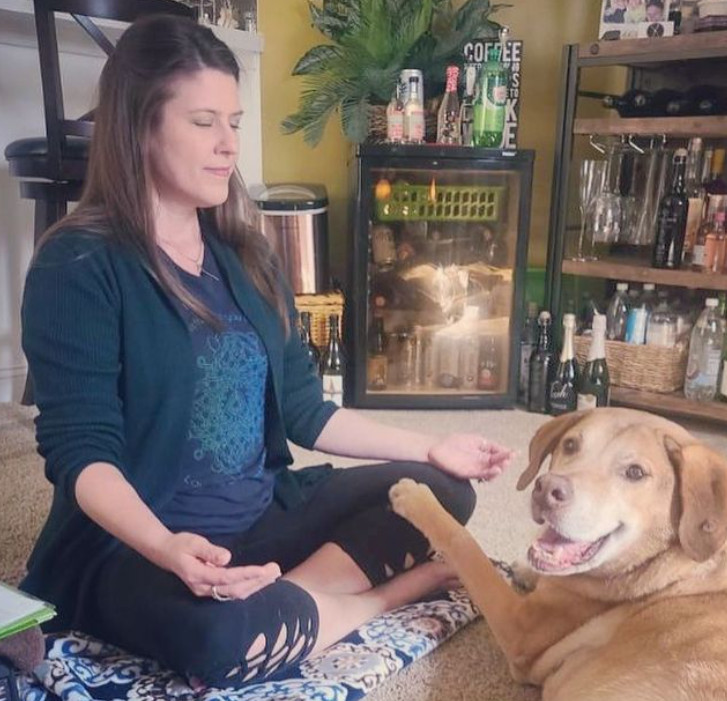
x=414, y=125
x=698, y=255
x=636, y=326
x=395, y=127
x=563, y=398
x=333, y=388
x=526, y=350
x=587, y=401
x=694, y=218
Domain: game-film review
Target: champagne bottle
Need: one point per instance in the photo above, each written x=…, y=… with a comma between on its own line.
x=332, y=365
x=448, y=126
x=594, y=385
x=305, y=334
x=528, y=343
x=563, y=392
x=378, y=364
x=541, y=368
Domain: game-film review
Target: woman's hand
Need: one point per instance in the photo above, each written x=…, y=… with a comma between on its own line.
x=469, y=456
x=201, y=565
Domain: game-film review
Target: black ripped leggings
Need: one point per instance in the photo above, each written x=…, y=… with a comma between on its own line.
x=151, y=612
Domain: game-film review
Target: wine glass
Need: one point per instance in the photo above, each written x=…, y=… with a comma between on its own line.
x=608, y=215
x=591, y=182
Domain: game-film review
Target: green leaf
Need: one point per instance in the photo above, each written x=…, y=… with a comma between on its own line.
x=328, y=24
x=317, y=59
x=355, y=119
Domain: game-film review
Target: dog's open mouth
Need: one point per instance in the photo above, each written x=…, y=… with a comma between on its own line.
x=553, y=552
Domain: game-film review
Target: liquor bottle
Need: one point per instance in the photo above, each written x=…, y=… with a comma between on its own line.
x=541, y=368
x=448, y=126
x=695, y=196
x=594, y=385
x=488, y=371
x=395, y=118
x=715, y=246
x=705, y=354
x=671, y=219
x=698, y=258
x=563, y=392
x=378, y=363
x=717, y=184
x=332, y=365
x=414, y=126
x=314, y=354
x=466, y=112
x=491, y=101
x=528, y=343
x=617, y=313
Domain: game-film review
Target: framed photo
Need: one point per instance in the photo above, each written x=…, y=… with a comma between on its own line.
x=630, y=19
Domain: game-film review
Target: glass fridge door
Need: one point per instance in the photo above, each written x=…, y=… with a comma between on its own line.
x=441, y=261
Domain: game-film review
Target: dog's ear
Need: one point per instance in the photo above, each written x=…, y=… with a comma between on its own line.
x=544, y=442
x=702, y=479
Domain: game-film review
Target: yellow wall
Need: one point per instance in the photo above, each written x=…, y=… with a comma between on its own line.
x=543, y=25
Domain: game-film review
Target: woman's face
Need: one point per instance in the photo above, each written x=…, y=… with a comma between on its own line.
x=194, y=147
x=654, y=13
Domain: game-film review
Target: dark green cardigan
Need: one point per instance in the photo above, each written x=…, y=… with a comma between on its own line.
x=112, y=363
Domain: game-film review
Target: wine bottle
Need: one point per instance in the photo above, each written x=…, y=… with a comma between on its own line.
x=633, y=103
x=671, y=220
x=594, y=385
x=314, y=355
x=395, y=118
x=706, y=100
x=528, y=343
x=378, y=364
x=448, y=127
x=332, y=365
x=541, y=368
x=563, y=391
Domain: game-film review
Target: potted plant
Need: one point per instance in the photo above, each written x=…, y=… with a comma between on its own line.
x=370, y=42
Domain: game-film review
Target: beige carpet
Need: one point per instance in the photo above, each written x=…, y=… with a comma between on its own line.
x=469, y=666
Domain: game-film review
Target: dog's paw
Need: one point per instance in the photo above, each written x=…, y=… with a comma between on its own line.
x=413, y=501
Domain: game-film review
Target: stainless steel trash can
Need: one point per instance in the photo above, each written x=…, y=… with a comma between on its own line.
x=295, y=220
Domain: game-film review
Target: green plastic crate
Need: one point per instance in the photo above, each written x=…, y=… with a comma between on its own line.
x=451, y=203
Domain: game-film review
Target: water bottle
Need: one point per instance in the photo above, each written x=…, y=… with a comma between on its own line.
x=705, y=353
x=639, y=314
x=617, y=313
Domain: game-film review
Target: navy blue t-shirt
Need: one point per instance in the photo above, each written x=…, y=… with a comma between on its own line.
x=224, y=486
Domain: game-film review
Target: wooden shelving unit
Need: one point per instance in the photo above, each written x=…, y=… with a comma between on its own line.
x=675, y=127
x=618, y=269
x=670, y=404
x=701, y=57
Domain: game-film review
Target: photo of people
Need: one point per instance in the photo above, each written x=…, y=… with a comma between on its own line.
x=628, y=19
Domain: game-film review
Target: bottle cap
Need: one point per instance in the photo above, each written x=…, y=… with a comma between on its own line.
x=569, y=320
x=544, y=316
x=649, y=286
x=622, y=286
x=695, y=144
x=711, y=302
x=599, y=322
x=680, y=153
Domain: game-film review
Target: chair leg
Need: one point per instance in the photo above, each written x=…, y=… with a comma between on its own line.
x=47, y=212
x=28, y=398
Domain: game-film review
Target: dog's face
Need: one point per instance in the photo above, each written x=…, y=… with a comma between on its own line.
x=622, y=487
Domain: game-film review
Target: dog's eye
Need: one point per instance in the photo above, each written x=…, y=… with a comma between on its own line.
x=635, y=473
x=570, y=446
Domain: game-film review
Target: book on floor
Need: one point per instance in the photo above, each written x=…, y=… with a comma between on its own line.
x=20, y=611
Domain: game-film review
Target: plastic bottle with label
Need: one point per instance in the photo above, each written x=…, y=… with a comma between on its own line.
x=705, y=354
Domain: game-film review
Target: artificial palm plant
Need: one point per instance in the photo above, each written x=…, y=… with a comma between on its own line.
x=370, y=42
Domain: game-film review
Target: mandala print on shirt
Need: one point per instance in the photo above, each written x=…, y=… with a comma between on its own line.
x=227, y=413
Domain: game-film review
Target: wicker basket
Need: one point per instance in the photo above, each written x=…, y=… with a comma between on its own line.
x=649, y=368
x=320, y=308
x=377, y=122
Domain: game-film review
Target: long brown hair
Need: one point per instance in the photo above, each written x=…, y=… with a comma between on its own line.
x=135, y=84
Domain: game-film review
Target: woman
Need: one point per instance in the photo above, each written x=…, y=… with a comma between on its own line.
x=169, y=376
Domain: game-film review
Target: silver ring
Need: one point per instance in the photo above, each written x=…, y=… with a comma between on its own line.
x=219, y=597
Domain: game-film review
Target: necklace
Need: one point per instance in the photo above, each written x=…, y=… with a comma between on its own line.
x=197, y=260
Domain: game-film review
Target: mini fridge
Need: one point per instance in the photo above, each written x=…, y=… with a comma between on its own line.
x=435, y=298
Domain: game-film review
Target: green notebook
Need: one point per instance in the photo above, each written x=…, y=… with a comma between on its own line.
x=19, y=611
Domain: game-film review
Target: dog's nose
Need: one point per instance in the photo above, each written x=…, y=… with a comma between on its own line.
x=552, y=491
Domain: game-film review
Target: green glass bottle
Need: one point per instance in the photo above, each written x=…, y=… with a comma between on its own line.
x=488, y=120
x=594, y=385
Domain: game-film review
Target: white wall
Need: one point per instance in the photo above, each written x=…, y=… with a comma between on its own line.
x=21, y=116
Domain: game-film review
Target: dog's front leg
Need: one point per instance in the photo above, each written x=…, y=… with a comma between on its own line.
x=500, y=605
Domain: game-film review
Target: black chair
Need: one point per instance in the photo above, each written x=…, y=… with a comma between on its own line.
x=52, y=168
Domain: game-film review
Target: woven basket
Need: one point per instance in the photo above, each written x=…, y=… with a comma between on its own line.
x=377, y=122
x=320, y=308
x=649, y=368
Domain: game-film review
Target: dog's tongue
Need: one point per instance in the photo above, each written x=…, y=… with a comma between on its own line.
x=553, y=551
